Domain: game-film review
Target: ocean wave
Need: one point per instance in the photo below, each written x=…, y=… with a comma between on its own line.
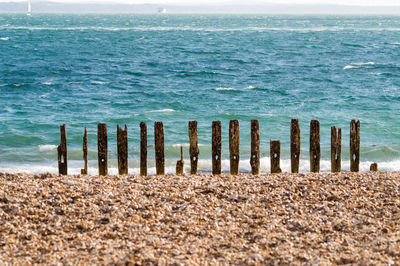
x=97, y=82
x=205, y=29
x=161, y=111
x=47, y=83
x=47, y=147
x=4, y=38
x=250, y=87
x=204, y=167
x=224, y=89
x=359, y=65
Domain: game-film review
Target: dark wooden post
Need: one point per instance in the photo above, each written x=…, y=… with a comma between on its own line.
x=194, y=149
x=315, y=152
x=122, y=148
x=143, y=149
x=255, y=147
x=336, y=150
x=373, y=167
x=234, y=154
x=84, y=171
x=216, y=147
x=62, y=152
x=159, y=147
x=295, y=145
x=102, y=148
x=275, y=155
x=355, y=146
x=180, y=164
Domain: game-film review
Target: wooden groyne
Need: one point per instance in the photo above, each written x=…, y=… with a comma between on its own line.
x=216, y=149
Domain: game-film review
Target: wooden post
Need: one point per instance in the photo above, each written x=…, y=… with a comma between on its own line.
x=295, y=145
x=84, y=171
x=255, y=147
x=122, y=148
x=62, y=152
x=194, y=149
x=180, y=164
x=275, y=155
x=102, y=148
x=159, y=147
x=315, y=152
x=355, y=146
x=373, y=167
x=216, y=147
x=143, y=149
x=234, y=154
x=336, y=149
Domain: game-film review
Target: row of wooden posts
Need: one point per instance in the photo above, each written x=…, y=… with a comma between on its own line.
x=234, y=155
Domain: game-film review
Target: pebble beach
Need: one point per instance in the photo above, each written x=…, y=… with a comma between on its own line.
x=305, y=218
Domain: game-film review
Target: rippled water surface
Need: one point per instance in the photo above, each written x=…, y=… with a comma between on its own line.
x=84, y=69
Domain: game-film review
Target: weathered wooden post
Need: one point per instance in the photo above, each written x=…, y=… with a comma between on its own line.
x=295, y=145
x=194, y=149
x=180, y=164
x=373, y=167
x=315, y=152
x=234, y=154
x=216, y=147
x=355, y=146
x=84, y=171
x=122, y=148
x=336, y=150
x=62, y=152
x=159, y=147
x=102, y=148
x=255, y=147
x=143, y=149
x=275, y=155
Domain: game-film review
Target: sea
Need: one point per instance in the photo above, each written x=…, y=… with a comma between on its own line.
x=81, y=70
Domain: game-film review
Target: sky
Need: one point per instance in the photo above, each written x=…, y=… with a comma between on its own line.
x=196, y=2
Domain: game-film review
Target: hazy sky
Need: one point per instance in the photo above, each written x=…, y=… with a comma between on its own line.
x=191, y=2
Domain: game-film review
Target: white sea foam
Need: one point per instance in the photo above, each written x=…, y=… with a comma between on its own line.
x=161, y=111
x=185, y=145
x=205, y=29
x=97, y=82
x=4, y=38
x=204, y=166
x=359, y=65
x=47, y=83
x=224, y=89
x=250, y=87
x=47, y=147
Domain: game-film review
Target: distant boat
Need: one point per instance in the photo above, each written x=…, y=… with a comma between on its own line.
x=162, y=10
x=29, y=8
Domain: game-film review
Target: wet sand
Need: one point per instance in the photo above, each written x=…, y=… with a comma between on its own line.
x=266, y=219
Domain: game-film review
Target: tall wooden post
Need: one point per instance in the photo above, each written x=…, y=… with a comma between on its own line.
x=216, y=147
x=255, y=147
x=355, y=146
x=102, y=148
x=159, y=147
x=336, y=149
x=122, y=148
x=180, y=164
x=275, y=155
x=84, y=171
x=194, y=149
x=62, y=152
x=295, y=145
x=315, y=152
x=143, y=149
x=234, y=154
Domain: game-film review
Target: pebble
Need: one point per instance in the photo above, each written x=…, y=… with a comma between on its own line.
x=269, y=219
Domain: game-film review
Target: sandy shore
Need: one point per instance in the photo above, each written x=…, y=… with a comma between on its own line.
x=274, y=219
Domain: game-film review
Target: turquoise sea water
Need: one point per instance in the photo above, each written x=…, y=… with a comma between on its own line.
x=84, y=69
